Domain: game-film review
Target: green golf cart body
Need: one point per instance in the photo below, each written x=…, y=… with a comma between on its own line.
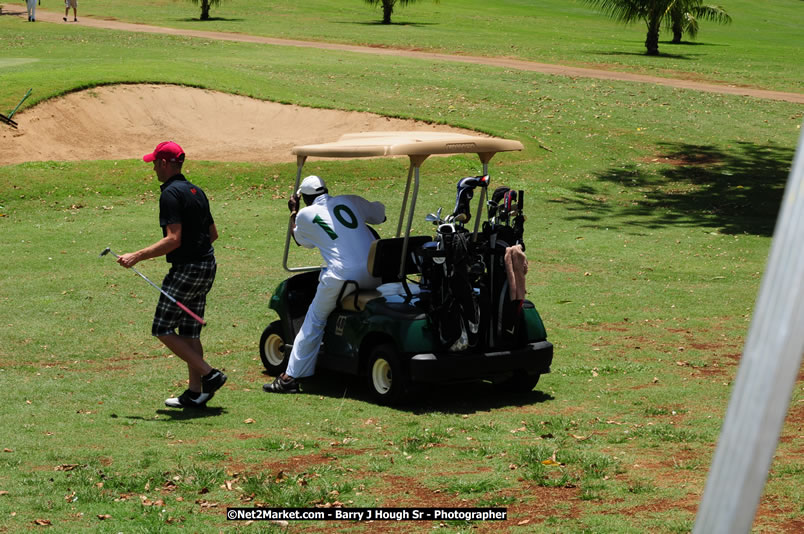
x=386, y=334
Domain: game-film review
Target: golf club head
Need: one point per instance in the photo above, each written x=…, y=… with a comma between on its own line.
x=108, y=250
x=461, y=218
x=473, y=181
x=434, y=218
x=495, y=208
x=508, y=200
x=466, y=187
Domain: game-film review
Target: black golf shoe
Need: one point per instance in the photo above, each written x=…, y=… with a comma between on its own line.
x=189, y=399
x=213, y=381
x=281, y=385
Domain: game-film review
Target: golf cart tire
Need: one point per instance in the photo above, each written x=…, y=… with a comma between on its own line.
x=386, y=377
x=272, y=349
x=518, y=384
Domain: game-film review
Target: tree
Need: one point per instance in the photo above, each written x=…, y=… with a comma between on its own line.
x=654, y=12
x=684, y=17
x=388, y=7
x=205, y=6
x=629, y=11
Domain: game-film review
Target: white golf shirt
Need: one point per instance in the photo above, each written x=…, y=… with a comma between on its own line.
x=337, y=227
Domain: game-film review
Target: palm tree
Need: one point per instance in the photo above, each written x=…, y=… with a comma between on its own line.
x=628, y=11
x=205, y=6
x=684, y=17
x=653, y=12
x=388, y=7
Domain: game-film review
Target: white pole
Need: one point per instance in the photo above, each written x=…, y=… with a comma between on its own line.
x=766, y=377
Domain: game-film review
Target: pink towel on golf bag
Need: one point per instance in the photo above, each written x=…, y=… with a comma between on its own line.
x=516, y=267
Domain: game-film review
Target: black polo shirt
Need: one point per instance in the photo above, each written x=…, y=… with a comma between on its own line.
x=185, y=203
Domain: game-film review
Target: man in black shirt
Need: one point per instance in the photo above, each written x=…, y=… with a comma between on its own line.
x=188, y=231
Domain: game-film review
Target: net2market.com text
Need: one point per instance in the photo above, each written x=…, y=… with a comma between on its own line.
x=367, y=514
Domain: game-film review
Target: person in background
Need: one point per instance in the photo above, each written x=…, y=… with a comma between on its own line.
x=71, y=4
x=31, y=10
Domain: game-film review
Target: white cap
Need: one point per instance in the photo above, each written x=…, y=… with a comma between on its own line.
x=312, y=185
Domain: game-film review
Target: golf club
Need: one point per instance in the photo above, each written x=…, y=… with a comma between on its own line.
x=108, y=250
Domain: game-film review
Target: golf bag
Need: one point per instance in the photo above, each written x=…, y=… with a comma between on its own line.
x=466, y=291
x=451, y=269
x=504, y=212
x=503, y=230
x=448, y=268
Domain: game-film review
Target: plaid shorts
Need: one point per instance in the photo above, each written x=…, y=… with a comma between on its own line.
x=188, y=283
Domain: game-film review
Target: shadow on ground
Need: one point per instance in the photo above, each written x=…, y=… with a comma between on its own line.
x=662, y=55
x=737, y=190
x=664, y=46
x=211, y=19
x=178, y=414
x=461, y=398
x=392, y=24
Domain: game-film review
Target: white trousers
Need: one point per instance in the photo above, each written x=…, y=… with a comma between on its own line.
x=32, y=9
x=308, y=341
x=304, y=353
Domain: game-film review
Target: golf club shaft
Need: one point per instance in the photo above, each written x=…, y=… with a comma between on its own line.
x=174, y=301
x=190, y=312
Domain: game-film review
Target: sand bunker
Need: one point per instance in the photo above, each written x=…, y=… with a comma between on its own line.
x=126, y=121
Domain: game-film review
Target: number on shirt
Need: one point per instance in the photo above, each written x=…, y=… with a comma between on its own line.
x=344, y=215
x=341, y=210
x=322, y=223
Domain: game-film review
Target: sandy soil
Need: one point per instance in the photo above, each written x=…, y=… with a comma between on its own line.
x=126, y=121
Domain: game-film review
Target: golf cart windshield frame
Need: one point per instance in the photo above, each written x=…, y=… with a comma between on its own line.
x=417, y=146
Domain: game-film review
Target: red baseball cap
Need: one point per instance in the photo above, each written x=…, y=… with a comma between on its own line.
x=167, y=150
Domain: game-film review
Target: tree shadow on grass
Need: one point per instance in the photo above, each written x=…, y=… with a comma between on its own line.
x=460, y=398
x=211, y=19
x=737, y=189
x=691, y=43
x=663, y=50
x=392, y=24
x=661, y=56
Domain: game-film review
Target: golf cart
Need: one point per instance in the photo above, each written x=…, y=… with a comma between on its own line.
x=444, y=311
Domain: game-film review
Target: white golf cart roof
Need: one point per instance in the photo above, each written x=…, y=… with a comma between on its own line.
x=418, y=146
x=373, y=144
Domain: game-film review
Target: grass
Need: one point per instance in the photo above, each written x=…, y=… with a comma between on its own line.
x=650, y=212
x=757, y=49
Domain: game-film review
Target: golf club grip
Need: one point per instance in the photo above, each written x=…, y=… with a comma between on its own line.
x=190, y=312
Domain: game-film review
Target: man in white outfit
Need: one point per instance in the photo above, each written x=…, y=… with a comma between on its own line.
x=337, y=227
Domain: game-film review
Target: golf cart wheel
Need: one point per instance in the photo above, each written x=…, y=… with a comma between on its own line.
x=519, y=383
x=387, y=380
x=272, y=349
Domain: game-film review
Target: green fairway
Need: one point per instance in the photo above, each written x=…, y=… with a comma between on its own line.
x=650, y=212
x=761, y=48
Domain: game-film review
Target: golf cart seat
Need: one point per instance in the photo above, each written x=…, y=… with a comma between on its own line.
x=383, y=262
